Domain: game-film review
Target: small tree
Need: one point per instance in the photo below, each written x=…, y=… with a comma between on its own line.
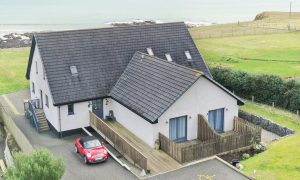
x=38, y=165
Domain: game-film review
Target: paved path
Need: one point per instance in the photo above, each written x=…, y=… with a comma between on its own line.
x=267, y=136
x=75, y=168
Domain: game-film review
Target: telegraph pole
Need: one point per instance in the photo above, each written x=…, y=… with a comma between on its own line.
x=290, y=9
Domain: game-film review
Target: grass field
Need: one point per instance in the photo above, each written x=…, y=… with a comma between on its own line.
x=275, y=53
x=13, y=63
x=282, y=159
x=267, y=22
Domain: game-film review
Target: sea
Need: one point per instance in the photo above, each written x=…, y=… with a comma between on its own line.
x=21, y=16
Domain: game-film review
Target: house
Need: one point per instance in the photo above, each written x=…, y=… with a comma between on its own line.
x=151, y=79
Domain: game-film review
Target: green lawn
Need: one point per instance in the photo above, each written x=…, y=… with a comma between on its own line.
x=228, y=51
x=282, y=159
x=13, y=63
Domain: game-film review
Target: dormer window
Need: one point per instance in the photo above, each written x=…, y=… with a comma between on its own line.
x=169, y=58
x=150, y=52
x=74, y=71
x=188, y=55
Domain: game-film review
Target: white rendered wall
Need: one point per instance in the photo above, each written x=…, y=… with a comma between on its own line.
x=40, y=83
x=134, y=123
x=79, y=119
x=199, y=99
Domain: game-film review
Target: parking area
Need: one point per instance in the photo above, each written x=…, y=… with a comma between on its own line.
x=75, y=167
x=213, y=168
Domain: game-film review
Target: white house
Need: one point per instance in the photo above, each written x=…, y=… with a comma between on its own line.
x=152, y=78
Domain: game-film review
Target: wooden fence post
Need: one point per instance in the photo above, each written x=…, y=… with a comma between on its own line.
x=252, y=99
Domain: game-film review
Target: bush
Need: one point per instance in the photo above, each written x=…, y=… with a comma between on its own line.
x=39, y=165
x=246, y=156
x=265, y=88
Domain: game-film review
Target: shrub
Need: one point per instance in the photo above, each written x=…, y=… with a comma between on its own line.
x=265, y=88
x=38, y=165
x=246, y=156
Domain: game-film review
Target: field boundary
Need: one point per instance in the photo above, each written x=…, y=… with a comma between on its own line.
x=19, y=136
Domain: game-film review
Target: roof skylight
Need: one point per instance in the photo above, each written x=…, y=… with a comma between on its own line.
x=188, y=55
x=168, y=56
x=150, y=52
x=74, y=70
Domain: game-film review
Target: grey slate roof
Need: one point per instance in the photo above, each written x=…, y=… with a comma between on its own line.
x=101, y=56
x=150, y=85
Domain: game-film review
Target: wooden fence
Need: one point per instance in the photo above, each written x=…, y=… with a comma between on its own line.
x=119, y=143
x=209, y=142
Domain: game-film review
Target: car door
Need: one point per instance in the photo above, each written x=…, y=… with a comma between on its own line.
x=80, y=148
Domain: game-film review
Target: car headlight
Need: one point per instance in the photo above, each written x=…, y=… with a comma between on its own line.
x=88, y=155
x=105, y=152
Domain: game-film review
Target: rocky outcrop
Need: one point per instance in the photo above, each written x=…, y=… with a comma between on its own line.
x=14, y=40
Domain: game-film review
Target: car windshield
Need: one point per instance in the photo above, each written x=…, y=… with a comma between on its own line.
x=91, y=144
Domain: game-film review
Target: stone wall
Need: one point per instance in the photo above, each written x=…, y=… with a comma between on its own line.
x=266, y=124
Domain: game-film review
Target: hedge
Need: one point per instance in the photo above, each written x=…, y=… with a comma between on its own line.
x=265, y=88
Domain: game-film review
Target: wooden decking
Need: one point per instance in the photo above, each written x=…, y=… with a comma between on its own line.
x=158, y=161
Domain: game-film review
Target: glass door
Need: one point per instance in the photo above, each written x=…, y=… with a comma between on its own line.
x=216, y=119
x=178, y=129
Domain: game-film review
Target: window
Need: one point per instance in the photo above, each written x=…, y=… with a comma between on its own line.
x=188, y=55
x=36, y=67
x=178, y=129
x=70, y=109
x=150, y=52
x=216, y=119
x=44, y=74
x=47, y=100
x=168, y=56
x=33, y=88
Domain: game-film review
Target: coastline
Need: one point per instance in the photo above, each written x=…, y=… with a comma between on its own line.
x=15, y=38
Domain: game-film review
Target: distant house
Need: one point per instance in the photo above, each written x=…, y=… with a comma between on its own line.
x=151, y=79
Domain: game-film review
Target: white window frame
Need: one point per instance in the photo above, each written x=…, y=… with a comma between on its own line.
x=46, y=100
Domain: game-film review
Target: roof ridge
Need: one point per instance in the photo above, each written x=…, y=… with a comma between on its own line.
x=118, y=27
x=169, y=62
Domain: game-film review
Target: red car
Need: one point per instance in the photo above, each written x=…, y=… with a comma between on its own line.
x=91, y=149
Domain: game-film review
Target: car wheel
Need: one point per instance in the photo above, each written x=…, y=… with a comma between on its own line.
x=85, y=160
x=76, y=149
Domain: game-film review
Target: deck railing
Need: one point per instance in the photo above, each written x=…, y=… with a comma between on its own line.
x=31, y=108
x=124, y=147
x=210, y=143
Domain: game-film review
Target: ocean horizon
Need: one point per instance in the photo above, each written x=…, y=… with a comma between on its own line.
x=18, y=16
